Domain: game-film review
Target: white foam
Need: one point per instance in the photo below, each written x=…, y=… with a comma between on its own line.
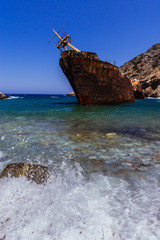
x=153, y=98
x=54, y=97
x=69, y=207
x=1, y=154
x=13, y=97
x=2, y=138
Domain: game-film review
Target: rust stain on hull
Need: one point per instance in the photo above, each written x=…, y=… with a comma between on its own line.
x=95, y=82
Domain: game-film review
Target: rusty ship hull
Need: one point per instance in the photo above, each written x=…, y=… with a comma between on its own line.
x=95, y=82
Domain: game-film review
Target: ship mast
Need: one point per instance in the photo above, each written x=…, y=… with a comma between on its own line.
x=64, y=42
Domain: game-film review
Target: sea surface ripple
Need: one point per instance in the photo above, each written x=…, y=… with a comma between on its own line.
x=105, y=163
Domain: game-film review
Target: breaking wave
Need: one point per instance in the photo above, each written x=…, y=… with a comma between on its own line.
x=14, y=97
x=70, y=207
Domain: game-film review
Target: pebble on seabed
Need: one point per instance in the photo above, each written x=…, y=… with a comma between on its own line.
x=111, y=135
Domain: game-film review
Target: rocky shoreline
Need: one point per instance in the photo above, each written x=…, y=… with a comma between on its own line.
x=2, y=96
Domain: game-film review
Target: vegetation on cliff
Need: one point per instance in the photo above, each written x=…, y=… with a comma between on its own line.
x=146, y=68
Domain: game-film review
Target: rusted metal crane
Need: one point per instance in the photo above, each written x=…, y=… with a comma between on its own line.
x=64, y=41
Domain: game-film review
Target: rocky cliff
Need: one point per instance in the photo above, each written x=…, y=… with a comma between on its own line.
x=145, y=68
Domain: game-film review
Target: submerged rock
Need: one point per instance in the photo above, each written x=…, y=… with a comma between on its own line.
x=3, y=95
x=111, y=135
x=33, y=172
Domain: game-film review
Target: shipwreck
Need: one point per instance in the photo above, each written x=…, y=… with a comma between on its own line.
x=94, y=82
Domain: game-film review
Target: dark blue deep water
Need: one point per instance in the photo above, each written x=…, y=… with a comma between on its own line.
x=106, y=159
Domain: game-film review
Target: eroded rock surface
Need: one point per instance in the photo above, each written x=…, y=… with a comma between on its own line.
x=2, y=96
x=145, y=68
x=33, y=172
x=137, y=88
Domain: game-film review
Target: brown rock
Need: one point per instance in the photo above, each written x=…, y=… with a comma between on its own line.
x=2, y=96
x=146, y=68
x=137, y=88
x=71, y=94
x=33, y=172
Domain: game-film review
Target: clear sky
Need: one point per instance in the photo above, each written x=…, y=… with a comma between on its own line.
x=116, y=29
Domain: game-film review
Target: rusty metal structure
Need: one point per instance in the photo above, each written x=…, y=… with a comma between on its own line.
x=64, y=41
x=94, y=82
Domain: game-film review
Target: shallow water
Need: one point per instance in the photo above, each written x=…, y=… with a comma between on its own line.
x=105, y=164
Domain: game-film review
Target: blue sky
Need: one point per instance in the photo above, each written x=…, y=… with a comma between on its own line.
x=115, y=29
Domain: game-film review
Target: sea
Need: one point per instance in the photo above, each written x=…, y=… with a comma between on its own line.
x=105, y=164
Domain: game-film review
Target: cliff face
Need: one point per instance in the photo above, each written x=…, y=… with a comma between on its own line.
x=145, y=68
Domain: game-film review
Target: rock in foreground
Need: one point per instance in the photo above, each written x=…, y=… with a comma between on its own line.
x=33, y=172
x=2, y=96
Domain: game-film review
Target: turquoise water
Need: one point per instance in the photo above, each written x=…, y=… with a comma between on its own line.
x=105, y=159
